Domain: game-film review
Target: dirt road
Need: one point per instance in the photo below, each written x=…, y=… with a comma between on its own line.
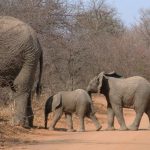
x=92, y=140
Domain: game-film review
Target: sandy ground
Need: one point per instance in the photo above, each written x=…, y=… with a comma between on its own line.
x=91, y=140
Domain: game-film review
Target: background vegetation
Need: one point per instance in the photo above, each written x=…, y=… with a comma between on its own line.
x=81, y=40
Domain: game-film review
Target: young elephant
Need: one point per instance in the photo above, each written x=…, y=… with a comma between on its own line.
x=77, y=101
x=132, y=92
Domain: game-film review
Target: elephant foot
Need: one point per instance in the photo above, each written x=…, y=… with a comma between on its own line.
x=110, y=129
x=123, y=129
x=71, y=130
x=21, y=122
x=99, y=128
x=51, y=129
x=26, y=126
x=81, y=130
x=133, y=128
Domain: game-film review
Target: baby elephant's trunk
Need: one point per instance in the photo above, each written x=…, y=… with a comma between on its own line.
x=48, y=109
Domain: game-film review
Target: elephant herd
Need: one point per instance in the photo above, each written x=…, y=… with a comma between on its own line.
x=20, y=54
x=132, y=92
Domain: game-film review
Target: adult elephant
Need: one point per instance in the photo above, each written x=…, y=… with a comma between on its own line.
x=132, y=92
x=20, y=52
x=77, y=101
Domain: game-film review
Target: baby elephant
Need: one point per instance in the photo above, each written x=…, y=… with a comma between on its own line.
x=77, y=101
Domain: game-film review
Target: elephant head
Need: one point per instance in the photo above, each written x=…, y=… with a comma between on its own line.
x=51, y=105
x=113, y=74
x=96, y=83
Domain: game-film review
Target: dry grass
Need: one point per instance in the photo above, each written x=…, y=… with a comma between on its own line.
x=9, y=134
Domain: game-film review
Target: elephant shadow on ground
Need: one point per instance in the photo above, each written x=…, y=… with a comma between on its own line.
x=56, y=129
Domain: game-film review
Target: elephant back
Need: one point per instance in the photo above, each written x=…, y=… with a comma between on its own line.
x=14, y=34
x=80, y=93
x=17, y=42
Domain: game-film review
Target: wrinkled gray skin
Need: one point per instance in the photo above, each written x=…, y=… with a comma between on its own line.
x=132, y=92
x=69, y=102
x=20, y=52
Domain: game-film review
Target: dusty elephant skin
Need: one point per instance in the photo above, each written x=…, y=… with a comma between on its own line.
x=20, y=52
x=77, y=101
x=132, y=92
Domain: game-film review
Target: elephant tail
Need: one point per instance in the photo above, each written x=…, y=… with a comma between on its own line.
x=48, y=109
x=38, y=88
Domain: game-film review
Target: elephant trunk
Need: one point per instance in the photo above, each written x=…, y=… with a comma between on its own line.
x=48, y=109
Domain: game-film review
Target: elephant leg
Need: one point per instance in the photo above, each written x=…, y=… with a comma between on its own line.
x=69, y=122
x=95, y=121
x=57, y=116
x=82, y=112
x=111, y=116
x=82, y=126
x=148, y=114
x=140, y=107
x=23, y=114
x=135, y=125
x=119, y=114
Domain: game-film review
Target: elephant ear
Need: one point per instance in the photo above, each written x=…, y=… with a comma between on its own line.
x=100, y=80
x=113, y=74
x=56, y=101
